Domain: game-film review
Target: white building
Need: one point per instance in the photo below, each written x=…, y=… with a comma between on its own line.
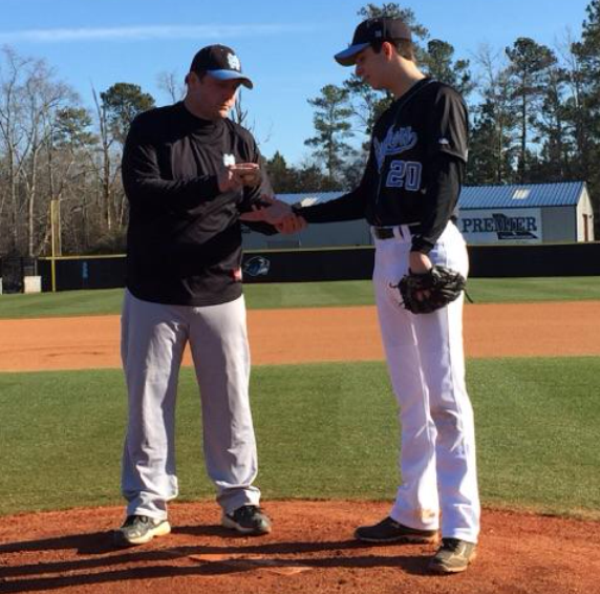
x=529, y=213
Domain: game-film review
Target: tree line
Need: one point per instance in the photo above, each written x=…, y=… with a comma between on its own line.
x=534, y=113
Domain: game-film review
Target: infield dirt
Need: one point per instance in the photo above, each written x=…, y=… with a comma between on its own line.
x=314, y=335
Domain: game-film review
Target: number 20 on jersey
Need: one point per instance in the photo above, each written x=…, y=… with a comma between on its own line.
x=404, y=174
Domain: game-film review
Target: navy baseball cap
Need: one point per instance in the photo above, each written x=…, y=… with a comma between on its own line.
x=220, y=62
x=371, y=31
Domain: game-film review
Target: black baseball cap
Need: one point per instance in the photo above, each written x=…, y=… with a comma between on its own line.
x=371, y=31
x=221, y=62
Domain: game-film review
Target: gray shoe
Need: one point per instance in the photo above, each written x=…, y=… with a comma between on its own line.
x=139, y=530
x=388, y=530
x=453, y=556
x=249, y=520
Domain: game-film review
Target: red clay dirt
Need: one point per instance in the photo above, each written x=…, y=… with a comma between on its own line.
x=311, y=548
x=314, y=335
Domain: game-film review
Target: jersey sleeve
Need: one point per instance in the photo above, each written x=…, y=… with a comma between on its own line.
x=448, y=128
x=350, y=206
x=443, y=189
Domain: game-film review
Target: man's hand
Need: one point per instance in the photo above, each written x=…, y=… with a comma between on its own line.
x=291, y=224
x=270, y=211
x=235, y=177
x=248, y=173
x=276, y=213
x=419, y=264
x=228, y=181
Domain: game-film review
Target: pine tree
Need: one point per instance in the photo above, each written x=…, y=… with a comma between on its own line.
x=332, y=126
x=440, y=64
x=122, y=102
x=557, y=146
x=586, y=112
x=528, y=74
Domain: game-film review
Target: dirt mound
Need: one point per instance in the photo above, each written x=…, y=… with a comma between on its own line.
x=310, y=550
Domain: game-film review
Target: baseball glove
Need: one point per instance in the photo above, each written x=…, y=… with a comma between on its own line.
x=424, y=293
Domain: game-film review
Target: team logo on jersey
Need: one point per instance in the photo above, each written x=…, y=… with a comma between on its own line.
x=394, y=143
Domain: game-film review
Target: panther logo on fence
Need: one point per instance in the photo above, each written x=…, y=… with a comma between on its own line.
x=257, y=266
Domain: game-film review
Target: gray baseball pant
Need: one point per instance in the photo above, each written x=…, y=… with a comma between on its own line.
x=153, y=339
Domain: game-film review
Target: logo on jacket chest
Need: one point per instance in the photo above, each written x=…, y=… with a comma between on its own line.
x=396, y=141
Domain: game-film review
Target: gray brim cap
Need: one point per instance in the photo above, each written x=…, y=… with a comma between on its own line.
x=347, y=57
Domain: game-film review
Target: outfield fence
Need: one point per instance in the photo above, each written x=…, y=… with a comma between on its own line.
x=68, y=273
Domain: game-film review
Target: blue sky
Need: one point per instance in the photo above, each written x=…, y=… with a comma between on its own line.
x=286, y=47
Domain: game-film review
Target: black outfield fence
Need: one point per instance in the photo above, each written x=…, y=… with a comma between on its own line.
x=487, y=261
x=575, y=259
x=560, y=259
x=75, y=273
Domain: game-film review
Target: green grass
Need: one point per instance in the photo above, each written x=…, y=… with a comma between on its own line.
x=518, y=290
x=66, y=303
x=325, y=294
x=324, y=431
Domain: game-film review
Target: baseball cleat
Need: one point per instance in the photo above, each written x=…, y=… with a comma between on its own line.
x=139, y=530
x=388, y=530
x=248, y=519
x=453, y=556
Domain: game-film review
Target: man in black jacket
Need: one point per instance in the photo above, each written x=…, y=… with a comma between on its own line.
x=188, y=173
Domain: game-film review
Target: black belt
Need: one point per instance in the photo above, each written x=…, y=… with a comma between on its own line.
x=383, y=232
x=388, y=232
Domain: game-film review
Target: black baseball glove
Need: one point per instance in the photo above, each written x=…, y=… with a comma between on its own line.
x=424, y=293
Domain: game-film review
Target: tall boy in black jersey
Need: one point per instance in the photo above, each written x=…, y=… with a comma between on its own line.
x=188, y=173
x=408, y=194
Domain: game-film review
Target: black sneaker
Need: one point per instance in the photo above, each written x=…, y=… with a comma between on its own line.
x=388, y=530
x=248, y=519
x=453, y=556
x=140, y=529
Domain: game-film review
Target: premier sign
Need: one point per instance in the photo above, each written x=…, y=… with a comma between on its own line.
x=493, y=226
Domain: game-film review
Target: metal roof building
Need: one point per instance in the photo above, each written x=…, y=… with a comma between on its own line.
x=524, y=213
x=521, y=196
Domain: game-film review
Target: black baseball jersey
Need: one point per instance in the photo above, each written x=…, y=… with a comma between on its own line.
x=184, y=236
x=415, y=167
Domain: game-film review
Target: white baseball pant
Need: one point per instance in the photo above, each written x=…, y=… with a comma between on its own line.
x=425, y=359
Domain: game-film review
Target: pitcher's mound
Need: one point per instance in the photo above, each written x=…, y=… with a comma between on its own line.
x=310, y=550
